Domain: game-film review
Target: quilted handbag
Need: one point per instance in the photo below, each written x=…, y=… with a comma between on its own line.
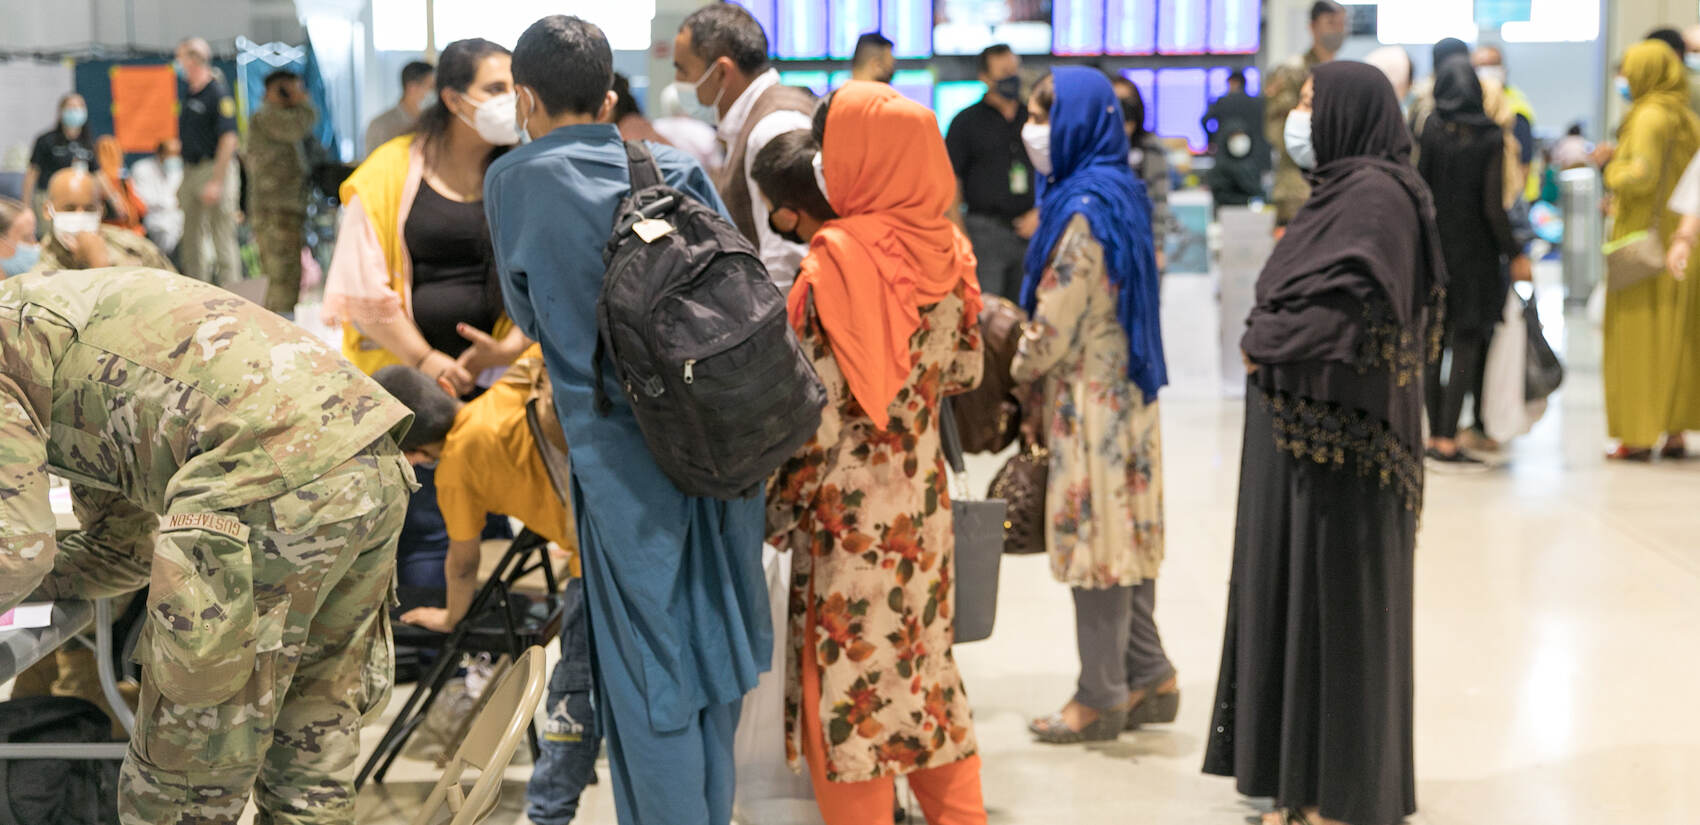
x=1021, y=484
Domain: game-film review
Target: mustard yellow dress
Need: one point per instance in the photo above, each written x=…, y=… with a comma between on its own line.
x=1652, y=329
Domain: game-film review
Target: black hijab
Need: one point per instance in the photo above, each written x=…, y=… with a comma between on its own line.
x=1365, y=238
x=1458, y=94
x=1446, y=50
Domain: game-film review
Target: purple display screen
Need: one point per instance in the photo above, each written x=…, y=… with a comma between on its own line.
x=1077, y=27
x=1181, y=26
x=908, y=24
x=850, y=20
x=1234, y=26
x=1181, y=104
x=1130, y=27
x=1146, y=81
x=801, y=30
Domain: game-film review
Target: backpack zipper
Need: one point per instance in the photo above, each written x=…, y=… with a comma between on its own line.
x=690, y=370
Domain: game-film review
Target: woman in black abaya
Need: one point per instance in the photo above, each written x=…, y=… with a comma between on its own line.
x=1463, y=162
x=1313, y=705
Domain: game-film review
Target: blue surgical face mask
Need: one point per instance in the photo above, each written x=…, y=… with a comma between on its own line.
x=173, y=166
x=74, y=118
x=23, y=260
x=181, y=70
x=1623, y=90
x=1692, y=59
x=706, y=112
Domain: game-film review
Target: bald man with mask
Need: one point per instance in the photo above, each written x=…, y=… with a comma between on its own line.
x=78, y=240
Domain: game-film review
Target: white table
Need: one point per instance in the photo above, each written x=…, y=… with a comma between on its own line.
x=71, y=619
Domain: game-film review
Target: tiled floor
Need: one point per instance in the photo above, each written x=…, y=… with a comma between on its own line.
x=1557, y=662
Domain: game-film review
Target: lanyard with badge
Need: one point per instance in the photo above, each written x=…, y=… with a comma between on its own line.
x=1020, y=181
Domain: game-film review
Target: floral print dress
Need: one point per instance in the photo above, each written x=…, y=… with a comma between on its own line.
x=867, y=512
x=1104, y=505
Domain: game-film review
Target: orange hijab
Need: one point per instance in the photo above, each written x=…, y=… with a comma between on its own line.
x=891, y=251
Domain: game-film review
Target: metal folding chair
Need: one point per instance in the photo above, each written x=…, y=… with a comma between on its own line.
x=509, y=706
x=499, y=620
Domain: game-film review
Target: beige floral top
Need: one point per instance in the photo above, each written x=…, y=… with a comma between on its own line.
x=1104, y=505
x=868, y=513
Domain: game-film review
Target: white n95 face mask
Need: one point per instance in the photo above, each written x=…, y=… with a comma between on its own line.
x=1296, y=135
x=68, y=225
x=1037, y=138
x=495, y=120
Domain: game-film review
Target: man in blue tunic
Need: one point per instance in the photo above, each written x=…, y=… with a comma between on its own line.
x=678, y=607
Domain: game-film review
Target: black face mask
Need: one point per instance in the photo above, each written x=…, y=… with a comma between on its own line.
x=1008, y=88
x=788, y=237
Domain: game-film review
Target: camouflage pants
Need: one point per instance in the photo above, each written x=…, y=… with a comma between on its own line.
x=279, y=236
x=290, y=735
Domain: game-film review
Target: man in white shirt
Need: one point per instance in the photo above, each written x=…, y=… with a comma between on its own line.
x=157, y=178
x=721, y=68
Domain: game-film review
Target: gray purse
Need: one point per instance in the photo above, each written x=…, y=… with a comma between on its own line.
x=978, y=525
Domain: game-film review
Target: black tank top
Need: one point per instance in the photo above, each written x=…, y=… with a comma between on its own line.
x=452, y=269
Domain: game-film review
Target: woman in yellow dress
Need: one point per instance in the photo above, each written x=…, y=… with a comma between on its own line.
x=1652, y=329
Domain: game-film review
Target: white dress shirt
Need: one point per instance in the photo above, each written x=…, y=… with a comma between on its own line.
x=780, y=256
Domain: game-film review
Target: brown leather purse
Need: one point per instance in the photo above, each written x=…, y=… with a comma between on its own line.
x=1022, y=483
x=989, y=416
x=1025, y=478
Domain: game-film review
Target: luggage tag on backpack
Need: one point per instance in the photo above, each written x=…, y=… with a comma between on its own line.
x=651, y=229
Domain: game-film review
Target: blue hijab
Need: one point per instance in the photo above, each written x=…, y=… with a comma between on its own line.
x=1090, y=176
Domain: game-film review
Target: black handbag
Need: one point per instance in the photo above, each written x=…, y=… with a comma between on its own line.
x=1542, y=371
x=978, y=526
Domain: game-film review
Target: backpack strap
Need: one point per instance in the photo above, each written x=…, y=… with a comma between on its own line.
x=641, y=164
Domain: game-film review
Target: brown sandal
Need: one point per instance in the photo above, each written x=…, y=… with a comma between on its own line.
x=1052, y=730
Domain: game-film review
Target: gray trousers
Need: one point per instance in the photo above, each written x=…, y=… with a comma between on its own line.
x=211, y=225
x=1120, y=651
x=1001, y=253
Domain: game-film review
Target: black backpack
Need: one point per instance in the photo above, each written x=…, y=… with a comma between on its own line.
x=700, y=342
x=56, y=791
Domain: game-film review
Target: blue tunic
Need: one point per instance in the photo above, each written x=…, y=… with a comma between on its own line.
x=674, y=584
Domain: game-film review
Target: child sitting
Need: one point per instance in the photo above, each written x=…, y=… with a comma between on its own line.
x=488, y=459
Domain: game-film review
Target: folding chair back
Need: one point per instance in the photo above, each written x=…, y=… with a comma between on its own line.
x=509, y=705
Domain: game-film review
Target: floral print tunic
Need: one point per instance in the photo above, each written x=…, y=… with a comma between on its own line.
x=868, y=513
x=1104, y=505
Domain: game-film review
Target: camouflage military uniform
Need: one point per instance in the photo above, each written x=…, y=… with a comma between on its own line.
x=1282, y=93
x=251, y=475
x=126, y=248
x=277, y=196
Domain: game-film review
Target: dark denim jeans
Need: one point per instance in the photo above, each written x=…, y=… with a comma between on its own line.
x=424, y=543
x=571, y=740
